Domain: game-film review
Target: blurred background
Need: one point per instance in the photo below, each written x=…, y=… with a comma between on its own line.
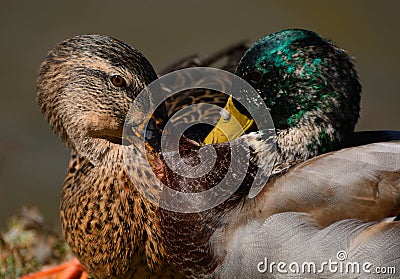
x=33, y=161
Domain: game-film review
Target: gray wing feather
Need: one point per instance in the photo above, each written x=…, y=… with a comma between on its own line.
x=297, y=238
x=360, y=182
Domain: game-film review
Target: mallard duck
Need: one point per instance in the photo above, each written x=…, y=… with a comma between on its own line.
x=314, y=208
x=85, y=88
x=312, y=91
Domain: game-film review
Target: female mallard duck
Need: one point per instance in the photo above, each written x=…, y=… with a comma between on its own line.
x=85, y=89
x=313, y=209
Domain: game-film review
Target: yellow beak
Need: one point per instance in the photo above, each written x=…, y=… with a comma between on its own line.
x=231, y=125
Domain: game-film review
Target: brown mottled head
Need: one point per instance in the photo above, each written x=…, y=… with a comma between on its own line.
x=85, y=88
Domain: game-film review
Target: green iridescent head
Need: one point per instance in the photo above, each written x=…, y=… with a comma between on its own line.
x=303, y=79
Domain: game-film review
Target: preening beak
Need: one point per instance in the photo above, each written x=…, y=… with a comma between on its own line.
x=231, y=125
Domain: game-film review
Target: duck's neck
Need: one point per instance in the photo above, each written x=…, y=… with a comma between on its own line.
x=302, y=142
x=102, y=206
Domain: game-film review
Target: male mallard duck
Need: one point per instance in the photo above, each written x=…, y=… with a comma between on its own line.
x=312, y=91
x=314, y=208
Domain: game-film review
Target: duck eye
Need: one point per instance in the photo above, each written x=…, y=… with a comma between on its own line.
x=118, y=81
x=255, y=76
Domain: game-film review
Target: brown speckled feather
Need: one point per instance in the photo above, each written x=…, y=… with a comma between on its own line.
x=102, y=208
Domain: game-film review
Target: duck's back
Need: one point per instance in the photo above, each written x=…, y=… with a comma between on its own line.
x=332, y=203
